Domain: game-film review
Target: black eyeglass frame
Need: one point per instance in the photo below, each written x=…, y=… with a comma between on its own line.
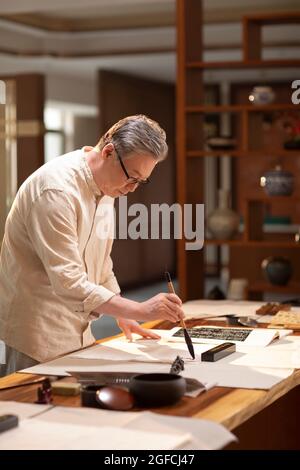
x=132, y=178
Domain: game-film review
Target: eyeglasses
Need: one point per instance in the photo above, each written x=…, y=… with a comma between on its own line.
x=131, y=178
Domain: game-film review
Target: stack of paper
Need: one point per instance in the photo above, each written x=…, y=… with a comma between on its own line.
x=84, y=428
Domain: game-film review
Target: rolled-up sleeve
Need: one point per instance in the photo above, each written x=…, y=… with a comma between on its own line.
x=52, y=227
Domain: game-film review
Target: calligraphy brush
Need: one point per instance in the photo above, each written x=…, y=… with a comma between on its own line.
x=182, y=322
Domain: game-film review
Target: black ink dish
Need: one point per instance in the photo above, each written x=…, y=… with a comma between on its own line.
x=157, y=389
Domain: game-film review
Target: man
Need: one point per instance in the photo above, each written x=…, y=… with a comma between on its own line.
x=55, y=270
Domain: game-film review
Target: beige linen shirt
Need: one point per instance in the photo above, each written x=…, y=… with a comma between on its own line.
x=55, y=265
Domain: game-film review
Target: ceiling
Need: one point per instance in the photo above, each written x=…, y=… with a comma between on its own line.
x=72, y=38
x=94, y=15
x=112, y=13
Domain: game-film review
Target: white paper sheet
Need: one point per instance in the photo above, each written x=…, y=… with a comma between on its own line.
x=87, y=416
x=33, y=434
x=165, y=350
x=22, y=410
x=61, y=365
x=139, y=350
x=205, y=434
x=236, y=376
x=270, y=358
x=86, y=428
x=286, y=343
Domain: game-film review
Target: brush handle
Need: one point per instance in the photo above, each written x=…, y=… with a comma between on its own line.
x=182, y=322
x=172, y=291
x=171, y=288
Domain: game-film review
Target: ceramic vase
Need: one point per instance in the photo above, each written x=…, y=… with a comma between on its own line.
x=261, y=95
x=278, y=182
x=223, y=223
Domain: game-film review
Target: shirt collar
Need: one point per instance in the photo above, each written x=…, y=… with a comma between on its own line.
x=89, y=175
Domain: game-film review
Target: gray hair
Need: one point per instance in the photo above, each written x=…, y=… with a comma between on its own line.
x=137, y=134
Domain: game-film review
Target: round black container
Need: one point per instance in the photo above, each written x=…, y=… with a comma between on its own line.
x=157, y=389
x=278, y=271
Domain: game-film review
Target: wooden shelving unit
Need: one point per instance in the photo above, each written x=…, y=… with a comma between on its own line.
x=190, y=139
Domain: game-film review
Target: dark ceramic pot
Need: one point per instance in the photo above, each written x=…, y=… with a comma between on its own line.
x=157, y=389
x=277, y=270
x=216, y=294
x=278, y=182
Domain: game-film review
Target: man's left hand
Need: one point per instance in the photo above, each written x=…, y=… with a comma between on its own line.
x=131, y=326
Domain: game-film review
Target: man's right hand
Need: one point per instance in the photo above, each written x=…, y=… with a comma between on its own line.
x=162, y=307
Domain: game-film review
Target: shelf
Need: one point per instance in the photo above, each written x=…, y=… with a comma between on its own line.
x=244, y=64
x=252, y=108
x=214, y=153
x=263, y=286
x=254, y=243
x=266, y=198
x=209, y=241
x=242, y=153
x=272, y=244
x=277, y=17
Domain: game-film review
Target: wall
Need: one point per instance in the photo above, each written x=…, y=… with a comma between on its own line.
x=69, y=89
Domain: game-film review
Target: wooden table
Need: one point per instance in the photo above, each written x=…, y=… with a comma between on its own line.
x=260, y=419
